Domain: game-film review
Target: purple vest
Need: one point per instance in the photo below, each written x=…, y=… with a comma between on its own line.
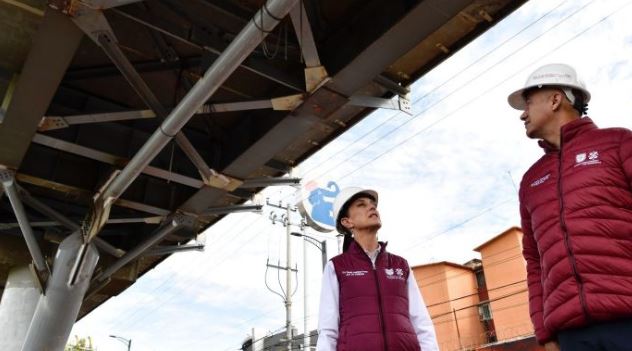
x=373, y=302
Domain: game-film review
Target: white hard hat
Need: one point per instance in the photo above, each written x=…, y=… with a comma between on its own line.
x=343, y=197
x=554, y=74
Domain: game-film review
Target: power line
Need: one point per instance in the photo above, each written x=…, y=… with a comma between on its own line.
x=444, y=82
x=564, y=43
x=486, y=257
x=511, y=258
x=431, y=237
x=129, y=321
x=475, y=294
x=492, y=289
x=436, y=103
x=587, y=29
x=478, y=304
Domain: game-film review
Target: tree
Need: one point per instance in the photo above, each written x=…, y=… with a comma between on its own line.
x=80, y=344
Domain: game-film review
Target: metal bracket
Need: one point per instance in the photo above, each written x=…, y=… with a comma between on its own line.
x=53, y=122
x=315, y=77
x=287, y=103
x=99, y=211
x=222, y=181
x=400, y=103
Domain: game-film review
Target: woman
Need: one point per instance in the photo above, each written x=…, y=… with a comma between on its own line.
x=369, y=298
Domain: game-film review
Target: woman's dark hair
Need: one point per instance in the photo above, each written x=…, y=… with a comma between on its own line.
x=348, y=236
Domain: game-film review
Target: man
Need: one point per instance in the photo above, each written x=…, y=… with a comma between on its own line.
x=369, y=299
x=576, y=209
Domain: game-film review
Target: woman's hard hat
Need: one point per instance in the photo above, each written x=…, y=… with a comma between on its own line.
x=554, y=74
x=343, y=197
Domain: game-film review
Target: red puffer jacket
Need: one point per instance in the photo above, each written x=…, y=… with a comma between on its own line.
x=576, y=209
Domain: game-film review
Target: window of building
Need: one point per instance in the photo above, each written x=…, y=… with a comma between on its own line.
x=480, y=279
x=485, y=312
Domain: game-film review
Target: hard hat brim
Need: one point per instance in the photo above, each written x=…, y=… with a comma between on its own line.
x=350, y=196
x=517, y=101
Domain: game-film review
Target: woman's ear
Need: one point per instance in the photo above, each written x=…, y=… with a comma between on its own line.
x=346, y=222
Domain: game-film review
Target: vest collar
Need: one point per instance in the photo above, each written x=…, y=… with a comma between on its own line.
x=356, y=249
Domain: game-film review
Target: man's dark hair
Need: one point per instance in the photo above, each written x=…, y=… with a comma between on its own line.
x=579, y=105
x=580, y=102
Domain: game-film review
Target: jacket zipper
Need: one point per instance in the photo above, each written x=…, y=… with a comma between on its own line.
x=567, y=239
x=379, y=298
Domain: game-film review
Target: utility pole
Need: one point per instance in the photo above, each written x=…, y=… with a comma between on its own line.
x=288, y=284
x=306, y=343
x=287, y=296
x=322, y=247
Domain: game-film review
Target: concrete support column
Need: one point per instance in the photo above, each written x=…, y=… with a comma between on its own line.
x=58, y=309
x=17, y=307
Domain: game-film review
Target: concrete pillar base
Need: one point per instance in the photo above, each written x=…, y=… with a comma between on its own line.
x=17, y=307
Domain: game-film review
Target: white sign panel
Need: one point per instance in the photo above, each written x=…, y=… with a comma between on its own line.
x=317, y=205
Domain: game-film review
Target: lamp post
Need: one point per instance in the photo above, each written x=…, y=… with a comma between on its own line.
x=322, y=246
x=127, y=342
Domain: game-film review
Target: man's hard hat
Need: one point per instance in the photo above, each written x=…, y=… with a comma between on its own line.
x=343, y=197
x=554, y=74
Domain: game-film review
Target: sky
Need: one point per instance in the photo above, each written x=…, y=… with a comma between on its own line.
x=447, y=179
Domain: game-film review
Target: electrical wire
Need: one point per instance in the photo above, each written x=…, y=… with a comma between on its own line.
x=437, y=102
x=477, y=97
x=564, y=43
x=435, y=89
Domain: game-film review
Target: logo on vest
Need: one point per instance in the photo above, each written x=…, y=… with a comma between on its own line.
x=354, y=273
x=396, y=273
x=541, y=180
x=583, y=159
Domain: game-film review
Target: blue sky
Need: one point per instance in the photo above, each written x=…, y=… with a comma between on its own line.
x=447, y=179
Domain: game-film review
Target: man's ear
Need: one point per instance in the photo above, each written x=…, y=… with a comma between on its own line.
x=556, y=100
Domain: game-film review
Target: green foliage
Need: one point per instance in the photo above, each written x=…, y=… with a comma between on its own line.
x=80, y=344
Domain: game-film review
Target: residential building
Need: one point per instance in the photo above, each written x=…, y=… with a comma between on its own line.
x=483, y=303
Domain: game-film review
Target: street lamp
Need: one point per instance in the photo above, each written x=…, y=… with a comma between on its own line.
x=127, y=342
x=320, y=245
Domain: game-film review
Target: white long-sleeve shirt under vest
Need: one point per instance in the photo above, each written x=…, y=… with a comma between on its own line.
x=329, y=317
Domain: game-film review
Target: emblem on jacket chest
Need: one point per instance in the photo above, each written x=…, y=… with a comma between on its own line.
x=585, y=159
x=394, y=273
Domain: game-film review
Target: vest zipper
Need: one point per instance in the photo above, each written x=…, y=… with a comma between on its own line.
x=379, y=297
x=567, y=240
